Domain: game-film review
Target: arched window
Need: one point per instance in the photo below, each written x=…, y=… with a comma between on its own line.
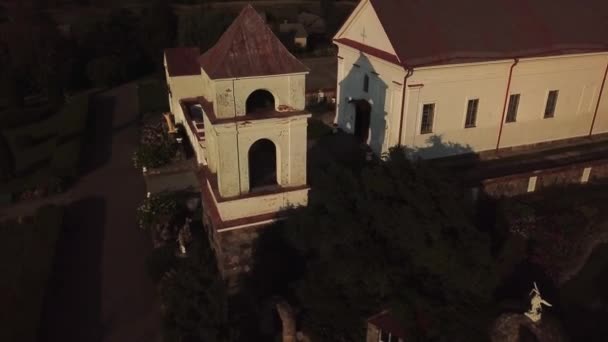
x=365, y=83
x=260, y=101
x=262, y=164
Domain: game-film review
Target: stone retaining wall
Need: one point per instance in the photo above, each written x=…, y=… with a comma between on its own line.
x=514, y=185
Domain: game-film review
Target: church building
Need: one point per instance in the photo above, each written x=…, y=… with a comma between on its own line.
x=242, y=105
x=450, y=77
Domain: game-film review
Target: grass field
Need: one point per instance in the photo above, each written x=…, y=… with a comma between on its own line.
x=26, y=253
x=152, y=96
x=49, y=146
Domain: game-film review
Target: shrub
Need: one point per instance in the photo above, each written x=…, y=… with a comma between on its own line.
x=154, y=155
x=156, y=209
x=157, y=148
x=160, y=261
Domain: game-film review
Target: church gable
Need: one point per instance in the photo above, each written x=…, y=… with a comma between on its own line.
x=364, y=27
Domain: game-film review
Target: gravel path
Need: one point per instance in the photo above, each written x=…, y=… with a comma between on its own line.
x=99, y=290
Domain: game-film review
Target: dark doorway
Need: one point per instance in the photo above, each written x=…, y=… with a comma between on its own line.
x=363, y=111
x=262, y=164
x=260, y=101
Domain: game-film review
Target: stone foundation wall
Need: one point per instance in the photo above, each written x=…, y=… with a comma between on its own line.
x=233, y=250
x=519, y=184
x=236, y=253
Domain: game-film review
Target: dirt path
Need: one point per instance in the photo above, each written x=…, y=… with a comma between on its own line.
x=99, y=290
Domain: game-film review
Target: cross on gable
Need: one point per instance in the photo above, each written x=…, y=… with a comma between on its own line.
x=363, y=35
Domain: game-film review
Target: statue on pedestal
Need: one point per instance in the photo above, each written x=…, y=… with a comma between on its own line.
x=536, y=303
x=183, y=237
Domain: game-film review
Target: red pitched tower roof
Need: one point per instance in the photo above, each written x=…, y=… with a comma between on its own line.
x=249, y=48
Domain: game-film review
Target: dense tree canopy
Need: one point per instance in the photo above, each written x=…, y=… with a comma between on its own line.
x=395, y=235
x=202, y=29
x=194, y=298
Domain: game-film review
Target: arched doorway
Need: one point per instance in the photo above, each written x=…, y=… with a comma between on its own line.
x=260, y=101
x=262, y=164
x=363, y=111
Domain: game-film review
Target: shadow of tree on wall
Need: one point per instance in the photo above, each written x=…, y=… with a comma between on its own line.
x=436, y=148
x=353, y=89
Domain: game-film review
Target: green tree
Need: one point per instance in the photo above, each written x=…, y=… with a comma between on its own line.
x=202, y=29
x=38, y=63
x=328, y=12
x=157, y=31
x=194, y=299
x=394, y=235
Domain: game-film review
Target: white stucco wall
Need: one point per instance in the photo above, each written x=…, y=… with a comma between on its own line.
x=384, y=94
x=576, y=77
x=601, y=121
x=183, y=87
x=287, y=90
x=364, y=26
x=259, y=205
x=228, y=156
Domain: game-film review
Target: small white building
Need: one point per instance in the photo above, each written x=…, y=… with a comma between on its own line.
x=447, y=77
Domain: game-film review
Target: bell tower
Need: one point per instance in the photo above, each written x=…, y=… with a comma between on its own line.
x=255, y=147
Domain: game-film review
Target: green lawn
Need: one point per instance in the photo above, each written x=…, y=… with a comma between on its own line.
x=27, y=252
x=45, y=147
x=152, y=96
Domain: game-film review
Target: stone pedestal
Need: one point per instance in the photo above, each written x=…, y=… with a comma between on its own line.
x=508, y=327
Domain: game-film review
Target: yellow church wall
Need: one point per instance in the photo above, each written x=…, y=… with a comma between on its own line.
x=228, y=157
x=601, y=120
x=263, y=204
x=231, y=95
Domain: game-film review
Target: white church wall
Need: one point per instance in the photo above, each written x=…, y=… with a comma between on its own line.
x=577, y=78
x=287, y=90
x=223, y=103
x=228, y=163
x=260, y=205
x=365, y=27
x=384, y=93
x=210, y=145
x=601, y=121
x=183, y=87
x=450, y=88
x=288, y=136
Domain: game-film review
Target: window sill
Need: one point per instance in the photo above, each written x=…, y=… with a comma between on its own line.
x=548, y=117
x=470, y=126
x=425, y=133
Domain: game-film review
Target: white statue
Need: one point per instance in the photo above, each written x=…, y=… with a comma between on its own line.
x=184, y=236
x=182, y=244
x=536, y=303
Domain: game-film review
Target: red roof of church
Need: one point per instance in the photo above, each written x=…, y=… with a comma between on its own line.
x=249, y=48
x=431, y=32
x=183, y=61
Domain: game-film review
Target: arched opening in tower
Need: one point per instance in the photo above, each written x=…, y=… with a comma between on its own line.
x=260, y=101
x=262, y=164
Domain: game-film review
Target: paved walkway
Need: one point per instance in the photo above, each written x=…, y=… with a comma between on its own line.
x=99, y=290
